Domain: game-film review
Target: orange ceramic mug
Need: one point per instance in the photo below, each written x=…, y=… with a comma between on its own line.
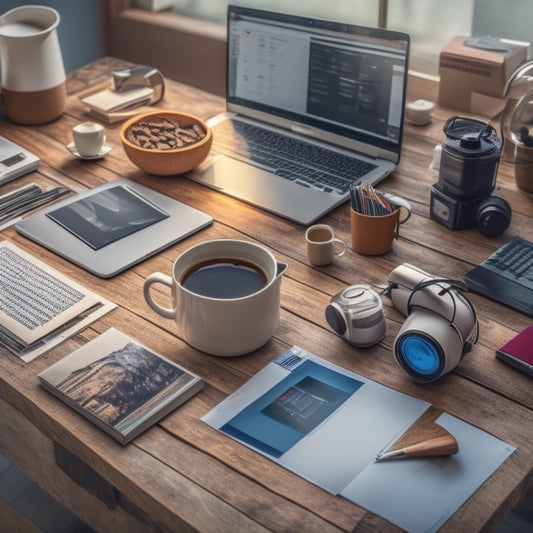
x=373, y=235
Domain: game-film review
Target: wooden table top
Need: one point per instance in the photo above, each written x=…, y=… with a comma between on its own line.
x=181, y=474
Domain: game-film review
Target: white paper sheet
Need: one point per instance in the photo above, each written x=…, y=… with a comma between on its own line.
x=420, y=494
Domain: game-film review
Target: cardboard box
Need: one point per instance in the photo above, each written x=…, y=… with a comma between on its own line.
x=472, y=66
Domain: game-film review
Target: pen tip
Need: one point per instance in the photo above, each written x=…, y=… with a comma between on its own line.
x=389, y=455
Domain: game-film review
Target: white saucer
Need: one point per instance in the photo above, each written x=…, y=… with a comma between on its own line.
x=106, y=148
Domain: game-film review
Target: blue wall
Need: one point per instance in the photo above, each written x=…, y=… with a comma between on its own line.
x=78, y=31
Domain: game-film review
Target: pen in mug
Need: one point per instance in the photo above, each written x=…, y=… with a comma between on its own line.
x=367, y=201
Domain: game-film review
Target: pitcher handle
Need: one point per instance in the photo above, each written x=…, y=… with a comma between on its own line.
x=158, y=277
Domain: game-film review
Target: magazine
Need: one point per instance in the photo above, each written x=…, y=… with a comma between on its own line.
x=119, y=384
x=39, y=306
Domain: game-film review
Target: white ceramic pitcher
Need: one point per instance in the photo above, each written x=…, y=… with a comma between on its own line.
x=32, y=72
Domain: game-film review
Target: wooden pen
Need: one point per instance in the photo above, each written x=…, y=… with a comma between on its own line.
x=443, y=445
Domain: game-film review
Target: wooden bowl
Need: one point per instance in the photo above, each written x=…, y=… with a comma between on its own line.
x=168, y=161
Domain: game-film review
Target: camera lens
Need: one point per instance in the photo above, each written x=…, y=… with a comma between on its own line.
x=428, y=344
x=335, y=319
x=419, y=356
x=493, y=216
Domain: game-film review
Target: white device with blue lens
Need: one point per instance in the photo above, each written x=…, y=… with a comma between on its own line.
x=441, y=324
x=356, y=313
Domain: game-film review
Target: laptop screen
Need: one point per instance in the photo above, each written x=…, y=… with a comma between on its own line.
x=313, y=74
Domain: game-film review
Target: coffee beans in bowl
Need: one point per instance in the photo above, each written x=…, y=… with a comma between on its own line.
x=166, y=142
x=163, y=133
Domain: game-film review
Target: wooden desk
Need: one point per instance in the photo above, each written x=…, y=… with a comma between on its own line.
x=181, y=475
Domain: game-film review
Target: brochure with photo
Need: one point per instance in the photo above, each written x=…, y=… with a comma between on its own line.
x=113, y=226
x=120, y=385
x=107, y=216
x=328, y=425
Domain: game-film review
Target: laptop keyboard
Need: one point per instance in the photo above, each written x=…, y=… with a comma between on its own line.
x=289, y=158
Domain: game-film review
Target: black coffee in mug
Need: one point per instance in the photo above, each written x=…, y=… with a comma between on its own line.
x=224, y=278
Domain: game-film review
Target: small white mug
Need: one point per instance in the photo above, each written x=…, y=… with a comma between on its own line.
x=322, y=245
x=89, y=137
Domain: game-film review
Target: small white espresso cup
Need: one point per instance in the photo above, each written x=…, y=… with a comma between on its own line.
x=322, y=245
x=89, y=137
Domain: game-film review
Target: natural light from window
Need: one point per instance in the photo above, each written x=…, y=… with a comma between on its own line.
x=431, y=23
x=416, y=17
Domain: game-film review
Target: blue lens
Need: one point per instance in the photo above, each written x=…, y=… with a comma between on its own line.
x=420, y=355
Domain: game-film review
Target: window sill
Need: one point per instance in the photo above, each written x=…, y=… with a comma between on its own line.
x=176, y=22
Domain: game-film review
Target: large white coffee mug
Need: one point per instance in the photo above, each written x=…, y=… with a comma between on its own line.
x=229, y=323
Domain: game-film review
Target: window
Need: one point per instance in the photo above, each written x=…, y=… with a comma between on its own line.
x=431, y=23
x=363, y=12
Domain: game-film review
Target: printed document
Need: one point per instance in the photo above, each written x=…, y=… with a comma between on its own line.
x=39, y=307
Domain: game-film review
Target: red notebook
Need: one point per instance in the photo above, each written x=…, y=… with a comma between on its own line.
x=518, y=352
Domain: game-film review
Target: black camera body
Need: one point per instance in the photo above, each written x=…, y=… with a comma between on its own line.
x=490, y=214
x=462, y=198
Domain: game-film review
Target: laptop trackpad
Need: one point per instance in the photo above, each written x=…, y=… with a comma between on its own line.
x=259, y=187
x=237, y=178
x=248, y=182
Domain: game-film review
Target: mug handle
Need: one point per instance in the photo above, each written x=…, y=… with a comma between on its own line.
x=157, y=277
x=341, y=248
x=399, y=202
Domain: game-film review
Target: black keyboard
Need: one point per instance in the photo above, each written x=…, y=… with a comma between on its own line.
x=514, y=260
x=507, y=276
x=288, y=157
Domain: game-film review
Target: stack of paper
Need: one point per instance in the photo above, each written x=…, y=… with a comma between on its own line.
x=108, y=101
x=39, y=307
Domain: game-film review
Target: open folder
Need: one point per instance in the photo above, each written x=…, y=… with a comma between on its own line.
x=328, y=425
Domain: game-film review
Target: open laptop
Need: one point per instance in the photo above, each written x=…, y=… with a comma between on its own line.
x=307, y=100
